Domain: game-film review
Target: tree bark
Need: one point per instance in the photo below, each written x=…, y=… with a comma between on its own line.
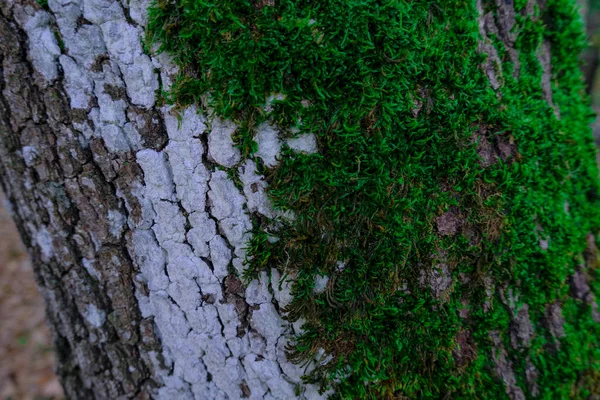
x=135, y=232
x=136, y=229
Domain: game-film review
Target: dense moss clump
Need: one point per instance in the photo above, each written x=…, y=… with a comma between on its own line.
x=453, y=198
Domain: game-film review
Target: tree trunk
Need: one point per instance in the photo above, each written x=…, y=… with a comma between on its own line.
x=138, y=231
x=134, y=233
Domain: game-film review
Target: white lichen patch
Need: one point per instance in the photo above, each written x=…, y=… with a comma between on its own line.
x=94, y=316
x=255, y=190
x=116, y=223
x=220, y=255
x=151, y=259
x=189, y=174
x=184, y=126
x=157, y=177
x=269, y=145
x=202, y=232
x=282, y=288
x=101, y=11
x=226, y=200
x=78, y=85
x=306, y=143
x=91, y=268
x=43, y=46
x=43, y=240
x=221, y=148
x=124, y=45
x=257, y=292
x=321, y=283
x=30, y=155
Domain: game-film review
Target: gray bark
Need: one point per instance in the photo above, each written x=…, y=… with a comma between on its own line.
x=136, y=233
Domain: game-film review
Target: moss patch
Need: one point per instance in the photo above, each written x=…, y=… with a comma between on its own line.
x=432, y=195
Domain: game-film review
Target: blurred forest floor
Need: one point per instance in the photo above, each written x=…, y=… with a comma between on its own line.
x=26, y=357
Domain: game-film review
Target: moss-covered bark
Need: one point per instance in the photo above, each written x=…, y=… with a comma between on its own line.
x=444, y=239
x=453, y=202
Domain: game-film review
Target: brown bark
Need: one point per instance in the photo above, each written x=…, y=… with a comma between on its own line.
x=54, y=211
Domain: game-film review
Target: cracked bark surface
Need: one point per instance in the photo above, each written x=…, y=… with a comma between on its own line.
x=134, y=228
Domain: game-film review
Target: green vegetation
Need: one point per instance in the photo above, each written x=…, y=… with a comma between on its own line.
x=401, y=191
x=43, y=4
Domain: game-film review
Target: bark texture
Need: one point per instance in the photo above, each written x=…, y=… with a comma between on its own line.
x=134, y=227
x=137, y=217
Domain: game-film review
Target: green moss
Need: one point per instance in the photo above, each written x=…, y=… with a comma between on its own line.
x=399, y=105
x=59, y=41
x=43, y=4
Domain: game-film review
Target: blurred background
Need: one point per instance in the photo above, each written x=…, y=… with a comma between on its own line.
x=26, y=357
x=590, y=13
